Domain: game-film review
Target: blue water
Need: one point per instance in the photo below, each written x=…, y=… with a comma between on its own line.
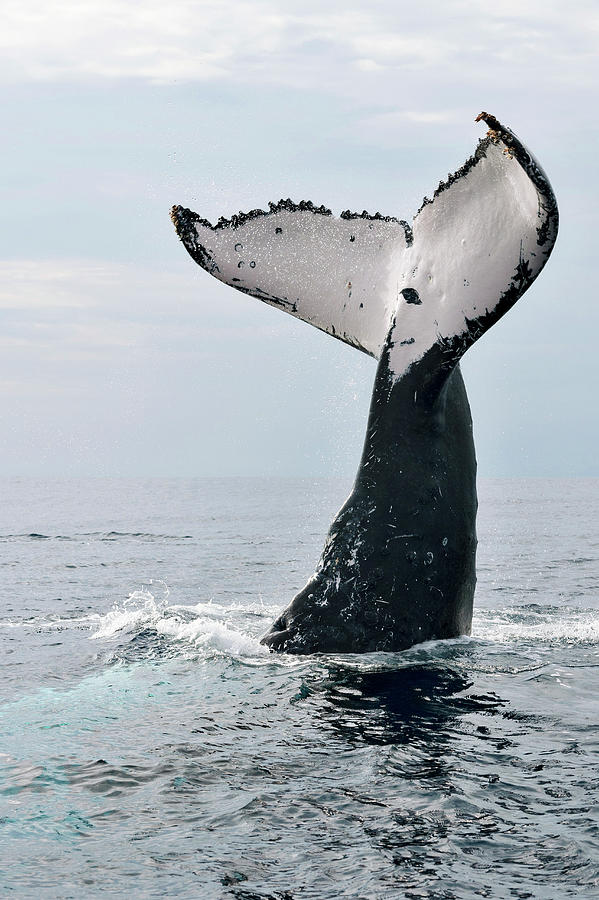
x=150, y=747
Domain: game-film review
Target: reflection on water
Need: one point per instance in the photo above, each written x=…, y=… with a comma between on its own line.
x=413, y=704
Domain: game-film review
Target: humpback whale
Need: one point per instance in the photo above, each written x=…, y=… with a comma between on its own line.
x=398, y=565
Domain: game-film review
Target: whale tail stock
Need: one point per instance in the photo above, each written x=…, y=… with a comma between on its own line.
x=470, y=253
x=398, y=566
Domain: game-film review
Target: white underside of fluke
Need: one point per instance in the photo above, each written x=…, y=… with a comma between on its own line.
x=351, y=276
x=336, y=274
x=467, y=245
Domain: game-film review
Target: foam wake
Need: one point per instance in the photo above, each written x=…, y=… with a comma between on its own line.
x=538, y=624
x=206, y=626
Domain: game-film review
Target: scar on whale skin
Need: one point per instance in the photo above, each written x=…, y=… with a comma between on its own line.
x=398, y=564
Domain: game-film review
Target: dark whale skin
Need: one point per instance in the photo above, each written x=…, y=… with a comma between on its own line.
x=399, y=563
x=398, y=566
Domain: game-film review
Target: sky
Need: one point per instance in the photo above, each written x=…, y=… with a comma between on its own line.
x=119, y=356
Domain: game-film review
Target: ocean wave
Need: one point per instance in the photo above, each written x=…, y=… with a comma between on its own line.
x=203, y=625
x=91, y=536
x=53, y=622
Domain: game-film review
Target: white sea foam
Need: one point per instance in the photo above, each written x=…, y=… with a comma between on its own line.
x=545, y=625
x=205, y=632
x=207, y=629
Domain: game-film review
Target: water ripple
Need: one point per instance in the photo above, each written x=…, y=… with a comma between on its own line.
x=151, y=747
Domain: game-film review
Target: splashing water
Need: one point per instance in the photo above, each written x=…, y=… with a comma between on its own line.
x=203, y=625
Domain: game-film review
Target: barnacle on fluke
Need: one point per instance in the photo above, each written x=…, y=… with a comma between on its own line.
x=398, y=566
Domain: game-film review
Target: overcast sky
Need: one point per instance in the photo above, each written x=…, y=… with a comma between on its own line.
x=119, y=356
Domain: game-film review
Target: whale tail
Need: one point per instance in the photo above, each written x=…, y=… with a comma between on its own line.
x=471, y=252
x=398, y=565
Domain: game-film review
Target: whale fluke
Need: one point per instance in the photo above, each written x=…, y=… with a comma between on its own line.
x=331, y=272
x=471, y=252
x=398, y=565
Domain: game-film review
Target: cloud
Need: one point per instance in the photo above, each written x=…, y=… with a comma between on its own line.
x=110, y=39
x=65, y=311
x=380, y=123
x=32, y=284
x=145, y=370
x=289, y=42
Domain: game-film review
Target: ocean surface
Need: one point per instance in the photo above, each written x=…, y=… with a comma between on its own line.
x=151, y=748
